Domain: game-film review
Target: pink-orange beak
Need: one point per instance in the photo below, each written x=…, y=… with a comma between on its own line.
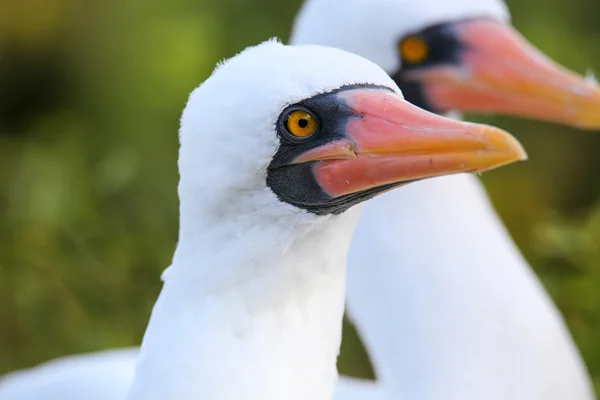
x=387, y=141
x=501, y=73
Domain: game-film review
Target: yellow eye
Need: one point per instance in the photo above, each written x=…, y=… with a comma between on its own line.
x=414, y=50
x=301, y=123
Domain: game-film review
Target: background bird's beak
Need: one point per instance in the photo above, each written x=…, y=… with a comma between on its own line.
x=499, y=72
x=388, y=141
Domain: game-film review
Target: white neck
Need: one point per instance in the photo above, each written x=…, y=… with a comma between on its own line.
x=446, y=303
x=251, y=314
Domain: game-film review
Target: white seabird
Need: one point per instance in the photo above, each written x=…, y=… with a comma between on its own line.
x=444, y=301
x=278, y=147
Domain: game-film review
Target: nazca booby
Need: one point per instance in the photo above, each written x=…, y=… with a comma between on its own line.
x=278, y=147
x=445, y=303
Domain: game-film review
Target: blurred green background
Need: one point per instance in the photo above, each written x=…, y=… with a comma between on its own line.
x=90, y=97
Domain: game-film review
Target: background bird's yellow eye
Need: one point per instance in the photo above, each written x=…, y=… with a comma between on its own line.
x=301, y=123
x=414, y=49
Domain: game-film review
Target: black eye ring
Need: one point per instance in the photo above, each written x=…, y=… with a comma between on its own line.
x=306, y=124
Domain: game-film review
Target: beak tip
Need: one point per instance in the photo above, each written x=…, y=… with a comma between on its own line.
x=515, y=148
x=505, y=148
x=521, y=153
x=524, y=156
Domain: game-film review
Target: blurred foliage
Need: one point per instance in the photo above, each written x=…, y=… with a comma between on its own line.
x=570, y=253
x=90, y=97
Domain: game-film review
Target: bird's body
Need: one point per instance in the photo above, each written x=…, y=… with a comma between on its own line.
x=107, y=375
x=481, y=326
x=276, y=332
x=92, y=376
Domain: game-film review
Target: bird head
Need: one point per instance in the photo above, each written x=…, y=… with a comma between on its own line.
x=311, y=130
x=460, y=55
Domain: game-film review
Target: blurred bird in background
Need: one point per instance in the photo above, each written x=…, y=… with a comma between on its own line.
x=84, y=228
x=445, y=302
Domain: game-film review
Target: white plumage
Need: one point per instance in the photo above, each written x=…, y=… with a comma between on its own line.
x=251, y=307
x=447, y=306
x=93, y=376
x=107, y=375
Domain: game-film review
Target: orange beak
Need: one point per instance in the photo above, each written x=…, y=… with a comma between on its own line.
x=501, y=73
x=386, y=141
